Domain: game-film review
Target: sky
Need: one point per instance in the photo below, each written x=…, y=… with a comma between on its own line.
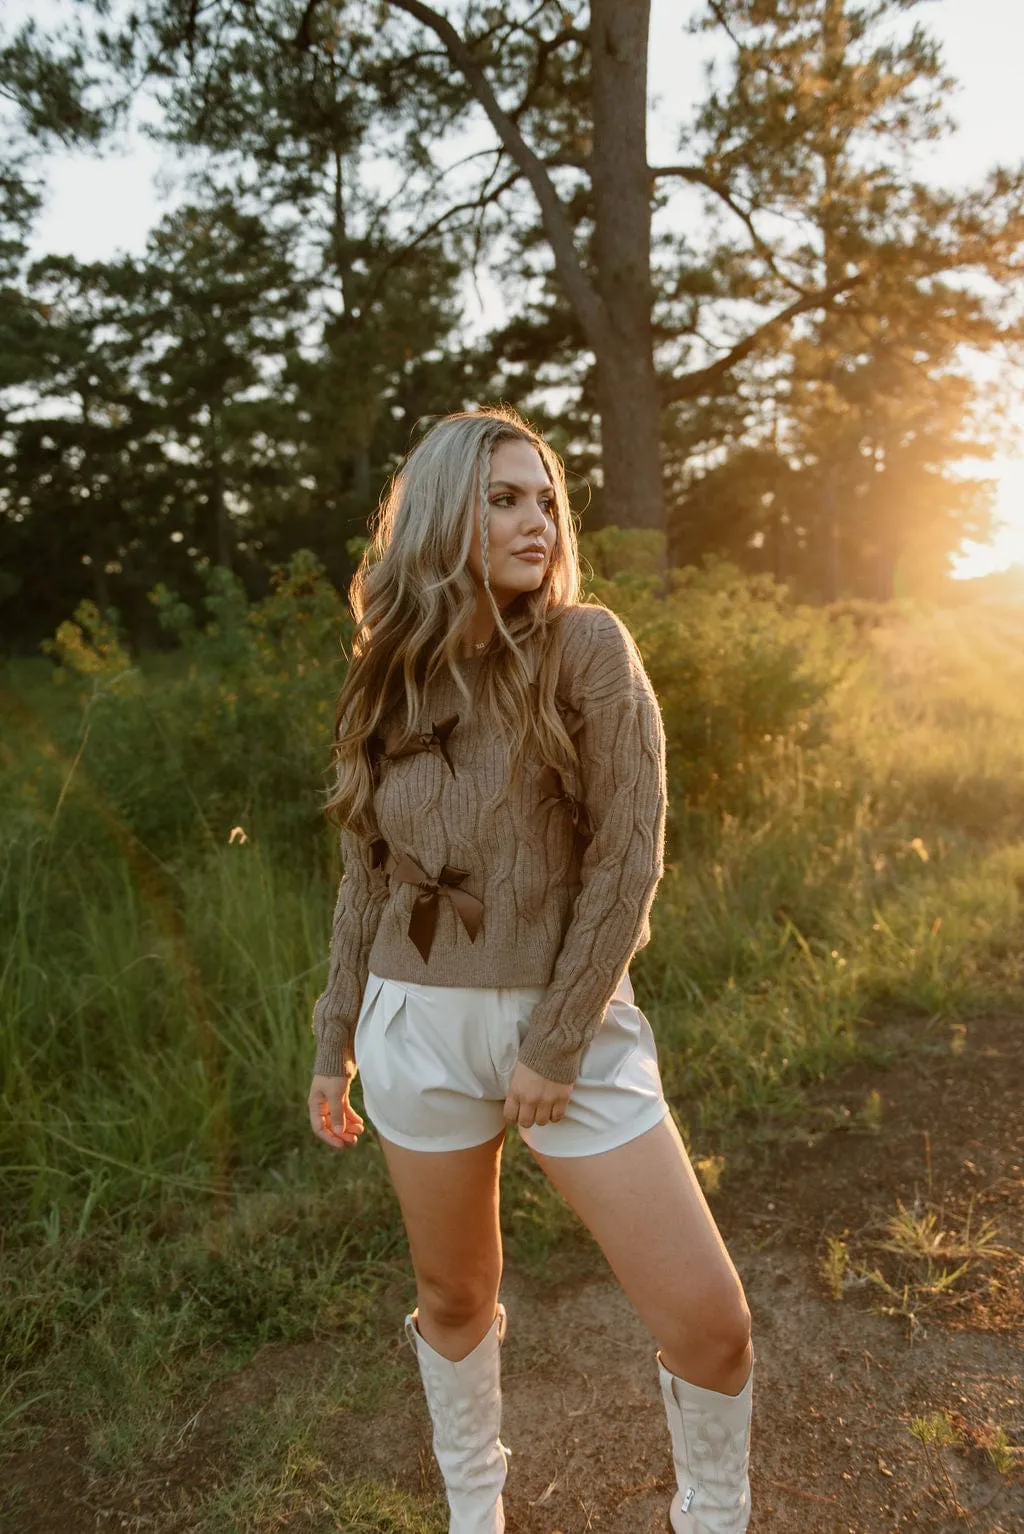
x=97, y=206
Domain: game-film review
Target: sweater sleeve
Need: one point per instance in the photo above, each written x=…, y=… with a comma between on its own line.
x=621, y=747
x=362, y=895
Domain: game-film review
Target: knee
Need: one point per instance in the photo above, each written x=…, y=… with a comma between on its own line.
x=455, y=1303
x=731, y=1333
x=714, y=1335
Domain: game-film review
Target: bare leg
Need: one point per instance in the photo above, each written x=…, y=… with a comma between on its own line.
x=644, y=1207
x=449, y=1203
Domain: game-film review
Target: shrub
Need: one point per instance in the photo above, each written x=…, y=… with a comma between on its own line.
x=743, y=677
x=233, y=730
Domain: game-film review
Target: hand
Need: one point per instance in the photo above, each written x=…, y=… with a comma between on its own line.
x=331, y=1116
x=533, y=1099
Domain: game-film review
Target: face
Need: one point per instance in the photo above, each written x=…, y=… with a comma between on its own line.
x=521, y=515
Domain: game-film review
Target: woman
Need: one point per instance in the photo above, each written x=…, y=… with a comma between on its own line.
x=501, y=790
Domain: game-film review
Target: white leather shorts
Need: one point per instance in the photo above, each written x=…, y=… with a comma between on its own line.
x=435, y=1063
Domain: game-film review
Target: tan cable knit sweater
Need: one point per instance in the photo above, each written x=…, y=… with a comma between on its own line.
x=556, y=879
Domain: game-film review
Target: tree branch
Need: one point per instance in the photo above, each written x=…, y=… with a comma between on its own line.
x=435, y=180
x=579, y=290
x=688, y=385
x=699, y=177
x=304, y=35
x=723, y=22
x=485, y=199
x=396, y=257
x=546, y=46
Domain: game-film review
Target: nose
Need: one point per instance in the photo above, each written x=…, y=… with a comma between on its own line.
x=536, y=523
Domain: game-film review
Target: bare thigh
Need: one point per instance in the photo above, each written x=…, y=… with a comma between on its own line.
x=449, y=1203
x=644, y=1207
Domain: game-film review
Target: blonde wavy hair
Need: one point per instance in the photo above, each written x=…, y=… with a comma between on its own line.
x=413, y=599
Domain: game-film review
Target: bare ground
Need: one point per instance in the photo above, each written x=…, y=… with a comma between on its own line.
x=838, y=1383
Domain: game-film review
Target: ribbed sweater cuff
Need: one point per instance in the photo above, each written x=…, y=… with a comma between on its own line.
x=330, y=1055
x=553, y=1058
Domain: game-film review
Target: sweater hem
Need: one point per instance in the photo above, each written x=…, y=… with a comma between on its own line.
x=459, y=972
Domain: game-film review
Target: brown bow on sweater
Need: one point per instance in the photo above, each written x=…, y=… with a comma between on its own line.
x=435, y=738
x=555, y=792
x=423, y=920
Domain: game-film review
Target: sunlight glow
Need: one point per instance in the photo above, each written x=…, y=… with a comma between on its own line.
x=1007, y=546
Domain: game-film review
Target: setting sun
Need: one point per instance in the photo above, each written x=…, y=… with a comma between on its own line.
x=1007, y=546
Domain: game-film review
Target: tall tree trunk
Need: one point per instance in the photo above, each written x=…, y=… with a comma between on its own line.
x=355, y=456
x=628, y=396
x=834, y=34
x=361, y=476
x=614, y=305
x=221, y=521
x=98, y=564
x=97, y=542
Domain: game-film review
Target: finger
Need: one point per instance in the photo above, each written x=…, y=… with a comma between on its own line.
x=329, y=1138
x=317, y=1108
x=542, y=1115
x=342, y=1134
x=526, y=1118
x=511, y=1109
x=331, y=1126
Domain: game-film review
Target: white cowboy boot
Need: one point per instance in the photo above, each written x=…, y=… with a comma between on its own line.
x=465, y=1407
x=710, y=1447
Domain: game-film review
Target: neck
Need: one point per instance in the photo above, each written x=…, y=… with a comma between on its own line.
x=481, y=630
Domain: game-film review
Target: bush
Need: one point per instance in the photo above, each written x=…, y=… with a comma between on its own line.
x=235, y=730
x=743, y=677
x=844, y=828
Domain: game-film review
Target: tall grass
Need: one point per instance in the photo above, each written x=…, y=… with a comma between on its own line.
x=150, y=1019
x=846, y=840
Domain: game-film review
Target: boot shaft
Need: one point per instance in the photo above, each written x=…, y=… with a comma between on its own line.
x=464, y=1400
x=710, y=1447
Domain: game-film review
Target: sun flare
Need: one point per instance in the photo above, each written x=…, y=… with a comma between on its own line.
x=1007, y=546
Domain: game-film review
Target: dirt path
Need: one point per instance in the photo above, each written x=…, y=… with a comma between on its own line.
x=838, y=1385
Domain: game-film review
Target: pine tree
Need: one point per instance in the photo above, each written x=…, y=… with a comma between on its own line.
x=845, y=468
x=47, y=96
x=382, y=74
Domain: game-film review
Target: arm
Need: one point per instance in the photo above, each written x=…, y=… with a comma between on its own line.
x=362, y=895
x=622, y=757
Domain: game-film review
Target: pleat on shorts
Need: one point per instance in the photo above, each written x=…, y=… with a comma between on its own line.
x=435, y=1063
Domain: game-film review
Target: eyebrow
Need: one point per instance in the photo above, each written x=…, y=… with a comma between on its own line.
x=504, y=484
